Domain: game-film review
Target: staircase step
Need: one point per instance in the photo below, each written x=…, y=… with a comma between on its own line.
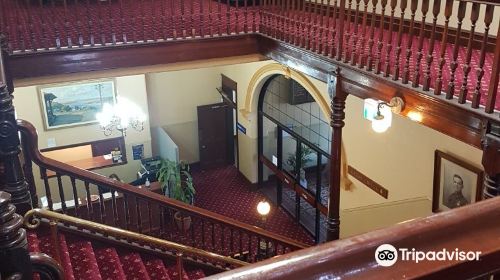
x=156, y=269
x=134, y=267
x=83, y=259
x=172, y=272
x=196, y=274
x=47, y=247
x=109, y=264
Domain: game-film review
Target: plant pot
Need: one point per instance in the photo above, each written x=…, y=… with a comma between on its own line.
x=183, y=222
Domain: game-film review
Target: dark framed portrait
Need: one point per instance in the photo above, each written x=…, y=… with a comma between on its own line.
x=456, y=182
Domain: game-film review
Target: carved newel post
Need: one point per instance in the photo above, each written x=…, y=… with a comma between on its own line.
x=13, y=180
x=337, y=122
x=14, y=255
x=491, y=161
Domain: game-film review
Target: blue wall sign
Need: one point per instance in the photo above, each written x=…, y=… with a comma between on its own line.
x=241, y=128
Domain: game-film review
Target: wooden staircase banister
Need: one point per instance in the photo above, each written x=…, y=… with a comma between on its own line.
x=32, y=219
x=30, y=144
x=46, y=267
x=471, y=228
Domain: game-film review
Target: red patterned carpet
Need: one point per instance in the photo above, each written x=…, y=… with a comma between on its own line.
x=82, y=259
x=224, y=191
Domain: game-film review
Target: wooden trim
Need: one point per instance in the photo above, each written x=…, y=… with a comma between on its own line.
x=32, y=141
x=374, y=186
x=81, y=144
x=469, y=228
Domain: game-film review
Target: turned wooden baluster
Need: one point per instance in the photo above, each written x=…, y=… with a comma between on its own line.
x=363, y=34
x=133, y=20
x=237, y=17
x=406, y=70
x=416, y=76
x=245, y=16
x=66, y=25
x=327, y=28
x=347, y=53
x=163, y=20
x=19, y=28
x=150, y=217
x=55, y=23
x=30, y=27
x=79, y=25
x=341, y=29
x=279, y=20
x=454, y=64
x=293, y=22
x=333, y=49
x=380, y=44
x=211, y=22
x=254, y=16
x=102, y=206
x=44, y=38
x=183, y=19
x=138, y=215
x=143, y=21
x=473, y=18
x=439, y=79
x=191, y=18
x=314, y=31
x=476, y=96
x=303, y=28
x=112, y=22
x=219, y=16
x=387, y=69
x=495, y=71
x=173, y=19
x=324, y=27
x=48, y=194
x=114, y=207
x=403, y=6
x=308, y=20
x=288, y=22
x=369, y=55
x=228, y=19
x=152, y=18
x=75, y=196
x=202, y=19
x=355, y=35
x=126, y=210
x=100, y=23
x=90, y=206
x=427, y=74
x=61, y=193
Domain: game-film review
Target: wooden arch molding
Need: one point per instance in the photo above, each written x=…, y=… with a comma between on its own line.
x=254, y=90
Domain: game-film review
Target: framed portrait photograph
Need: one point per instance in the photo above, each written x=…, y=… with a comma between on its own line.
x=456, y=182
x=74, y=104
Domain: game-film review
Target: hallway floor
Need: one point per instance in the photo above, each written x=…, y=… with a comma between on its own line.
x=224, y=191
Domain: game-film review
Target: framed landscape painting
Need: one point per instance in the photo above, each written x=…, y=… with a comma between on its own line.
x=74, y=104
x=456, y=182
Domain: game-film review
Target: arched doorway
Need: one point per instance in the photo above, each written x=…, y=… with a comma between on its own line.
x=294, y=140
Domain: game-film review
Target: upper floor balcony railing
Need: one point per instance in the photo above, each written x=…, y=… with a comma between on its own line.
x=445, y=48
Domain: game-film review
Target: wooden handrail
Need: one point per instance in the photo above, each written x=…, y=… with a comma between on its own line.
x=31, y=138
x=471, y=228
x=32, y=221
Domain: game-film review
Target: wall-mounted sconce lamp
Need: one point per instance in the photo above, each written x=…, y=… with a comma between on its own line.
x=383, y=118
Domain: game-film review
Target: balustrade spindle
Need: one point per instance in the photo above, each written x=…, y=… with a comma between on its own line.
x=111, y=22
x=363, y=34
x=100, y=23
x=355, y=35
x=191, y=22
x=324, y=29
x=439, y=79
x=143, y=21
x=61, y=193
x=90, y=207
x=236, y=12
x=380, y=44
x=183, y=20
x=173, y=19
x=192, y=237
x=213, y=236
x=293, y=22
x=341, y=29
x=406, y=70
x=114, y=207
x=307, y=35
x=326, y=34
x=163, y=20
x=462, y=97
x=66, y=25
x=202, y=19
x=150, y=217
x=245, y=17
x=254, y=16
x=219, y=9
x=102, y=207
x=454, y=64
x=30, y=27
x=228, y=18
x=403, y=6
x=334, y=29
x=162, y=221
x=210, y=21
x=488, y=18
x=153, y=20
x=416, y=76
x=495, y=71
x=303, y=25
x=139, y=215
x=314, y=27
x=203, y=245
x=347, y=32
x=369, y=55
x=19, y=29
x=240, y=235
x=126, y=210
x=57, y=31
x=272, y=14
x=133, y=20
x=75, y=196
x=79, y=26
x=287, y=23
x=278, y=18
x=387, y=69
x=44, y=38
x=48, y=194
x=427, y=74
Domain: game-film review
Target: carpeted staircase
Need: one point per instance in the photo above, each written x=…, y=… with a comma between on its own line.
x=83, y=259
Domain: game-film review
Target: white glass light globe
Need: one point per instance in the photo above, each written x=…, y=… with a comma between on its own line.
x=263, y=208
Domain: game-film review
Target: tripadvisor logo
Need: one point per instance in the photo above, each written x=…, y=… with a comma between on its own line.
x=386, y=255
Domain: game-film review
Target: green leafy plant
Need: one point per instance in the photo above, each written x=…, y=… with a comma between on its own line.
x=176, y=181
x=303, y=156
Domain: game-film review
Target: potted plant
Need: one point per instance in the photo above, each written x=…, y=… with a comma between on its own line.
x=177, y=183
x=303, y=156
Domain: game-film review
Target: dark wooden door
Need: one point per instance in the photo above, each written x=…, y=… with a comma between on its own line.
x=213, y=127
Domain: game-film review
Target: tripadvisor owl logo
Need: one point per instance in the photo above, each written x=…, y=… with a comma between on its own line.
x=386, y=255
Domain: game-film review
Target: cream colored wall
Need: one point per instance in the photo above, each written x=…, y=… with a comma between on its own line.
x=174, y=95
x=131, y=87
